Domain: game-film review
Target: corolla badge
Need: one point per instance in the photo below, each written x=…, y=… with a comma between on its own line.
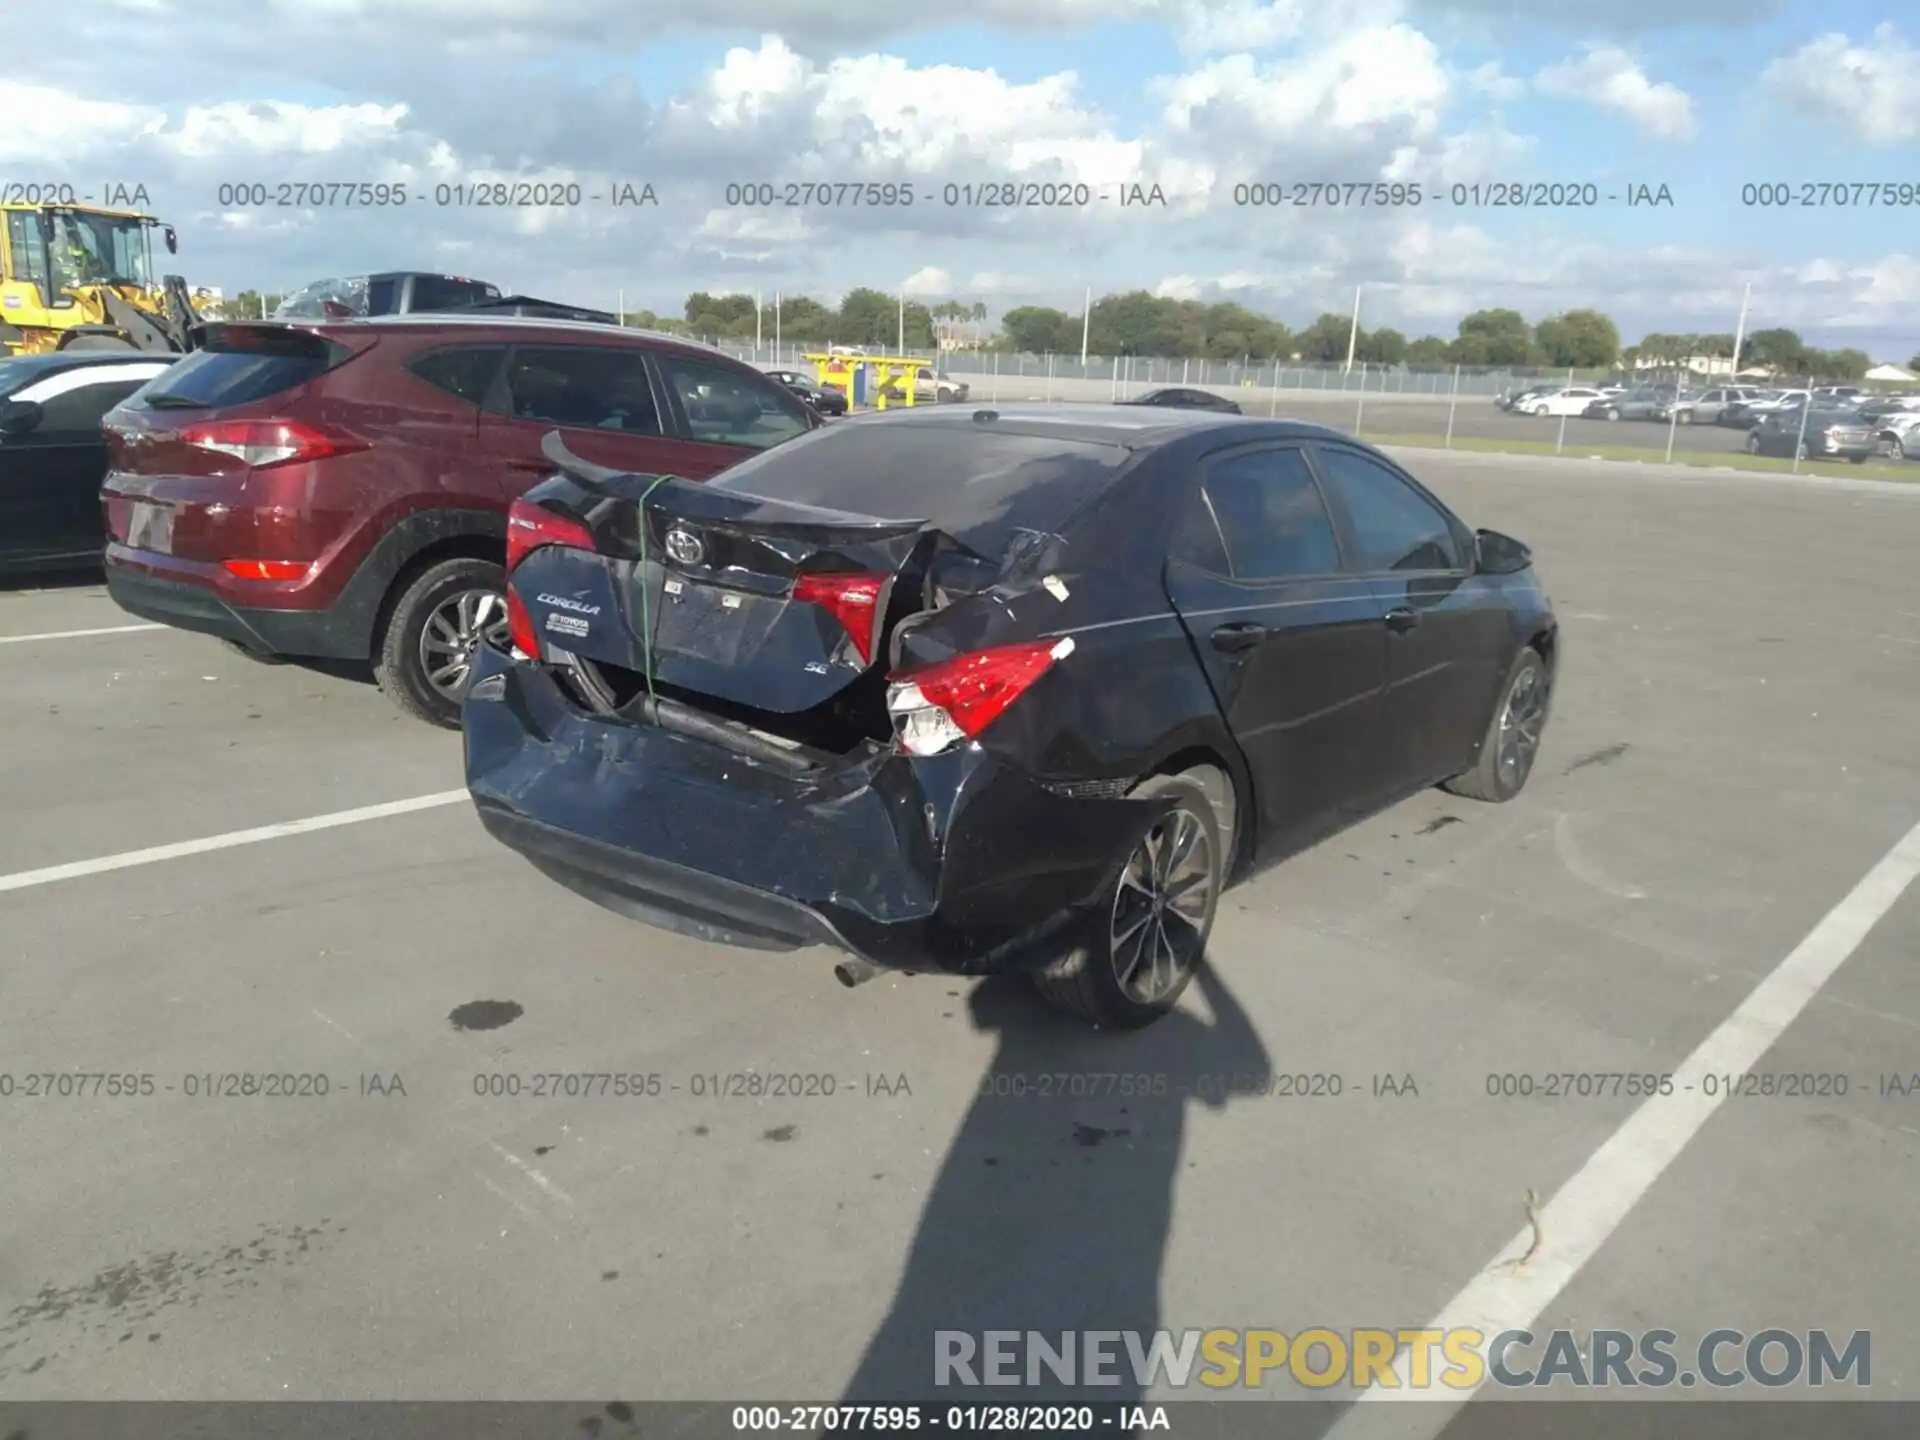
x=684, y=547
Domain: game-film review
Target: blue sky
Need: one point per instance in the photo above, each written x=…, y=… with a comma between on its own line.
x=1193, y=93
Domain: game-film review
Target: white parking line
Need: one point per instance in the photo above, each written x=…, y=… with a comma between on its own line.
x=1509, y=1295
x=126, y=859
x=76, y=634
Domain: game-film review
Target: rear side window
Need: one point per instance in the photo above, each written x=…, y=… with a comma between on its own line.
x=731, y=407
x=980, y=486
x=239, y=366
x=1269, y=517
x=1394, y=526
x=586, y=387
x=465, y=373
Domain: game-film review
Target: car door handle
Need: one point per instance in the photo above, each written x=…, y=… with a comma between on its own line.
x=1243, y=635
x=1402, y=618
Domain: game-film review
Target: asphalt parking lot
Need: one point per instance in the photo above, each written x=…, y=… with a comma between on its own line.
x=1731, y=753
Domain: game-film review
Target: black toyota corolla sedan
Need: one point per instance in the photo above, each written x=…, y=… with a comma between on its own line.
x=993, y=689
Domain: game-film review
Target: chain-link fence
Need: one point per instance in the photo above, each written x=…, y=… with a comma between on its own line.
x=1460, y=408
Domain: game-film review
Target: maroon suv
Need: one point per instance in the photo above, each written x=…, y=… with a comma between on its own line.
x=339, y=489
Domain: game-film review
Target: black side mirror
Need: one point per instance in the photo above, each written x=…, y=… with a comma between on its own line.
x=1497, y=554
x=173, y=241
x=17, y=417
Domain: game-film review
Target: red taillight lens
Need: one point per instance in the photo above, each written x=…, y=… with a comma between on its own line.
x=531, y=527
x=944, y=704
x=262, y=443
x=266, y=569
x=853, y=600
x=520, y=626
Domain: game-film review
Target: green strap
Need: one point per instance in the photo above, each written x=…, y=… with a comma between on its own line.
x=646, y=608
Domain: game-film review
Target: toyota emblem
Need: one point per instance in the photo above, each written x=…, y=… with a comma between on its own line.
x=684, y=547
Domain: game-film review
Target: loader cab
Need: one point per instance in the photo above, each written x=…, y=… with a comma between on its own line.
x=49, y=252
x=26, y=267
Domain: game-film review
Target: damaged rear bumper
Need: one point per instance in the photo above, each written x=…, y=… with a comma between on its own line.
x=958, y=861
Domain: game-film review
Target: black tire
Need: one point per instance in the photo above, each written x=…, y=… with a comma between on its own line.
x=1613, y=414
x=1685, y=417
x=1858, y=459
x=1489, y=779
x=1088, y=980
x=398, y=663
x=1800, y=451
x=259, y=657
x=83, y=343
x=1753, y=443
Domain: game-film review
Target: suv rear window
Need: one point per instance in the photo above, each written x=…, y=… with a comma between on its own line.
x=241, y=364
x=978, y=485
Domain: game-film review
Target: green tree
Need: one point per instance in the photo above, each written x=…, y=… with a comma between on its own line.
x=1501, y=336
x=1848, y=364
x=1326, y=339
x=1429, y=352
x=1040, y=330
x=1781, y=349
x=1585, y=339
x=1383, y=347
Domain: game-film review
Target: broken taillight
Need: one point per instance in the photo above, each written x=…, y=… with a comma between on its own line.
x=853, y=600
x=532, y=527
x=941, y=705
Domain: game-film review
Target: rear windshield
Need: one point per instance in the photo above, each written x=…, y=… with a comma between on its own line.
x=444, y=292
x=241, y=364
x=977, y=484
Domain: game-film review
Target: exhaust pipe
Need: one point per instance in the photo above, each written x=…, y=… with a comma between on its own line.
x=851, y=972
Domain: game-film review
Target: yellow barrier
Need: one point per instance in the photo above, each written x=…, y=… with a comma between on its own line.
x=838, y=371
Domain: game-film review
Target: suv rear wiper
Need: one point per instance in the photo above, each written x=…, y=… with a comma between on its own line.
x=165, y=401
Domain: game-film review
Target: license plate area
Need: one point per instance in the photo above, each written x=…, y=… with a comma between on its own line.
x=150, y=527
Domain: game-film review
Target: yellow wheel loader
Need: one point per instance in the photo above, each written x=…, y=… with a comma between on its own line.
x=81, y=277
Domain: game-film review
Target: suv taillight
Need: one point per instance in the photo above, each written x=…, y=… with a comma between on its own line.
x=265, y=443
x=940, y=706
x=854, y=600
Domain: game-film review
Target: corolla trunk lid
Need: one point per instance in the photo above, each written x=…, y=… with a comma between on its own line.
x=766, y=604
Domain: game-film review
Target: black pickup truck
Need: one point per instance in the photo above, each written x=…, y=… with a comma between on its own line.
x=407, y=292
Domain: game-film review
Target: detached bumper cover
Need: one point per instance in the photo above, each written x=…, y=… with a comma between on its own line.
x=953, y=861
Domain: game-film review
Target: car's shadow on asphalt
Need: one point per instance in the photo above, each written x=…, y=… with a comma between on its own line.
x=1052, y=1207
x=67, y=577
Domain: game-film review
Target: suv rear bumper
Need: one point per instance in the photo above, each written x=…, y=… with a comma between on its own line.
x=325, y=634
x=960, y=862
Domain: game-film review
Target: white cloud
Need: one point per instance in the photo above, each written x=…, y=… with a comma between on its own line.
x=1490, y=80
x=1609, y=77
x=928, y=280
x=1871, y=89
x=1387, y=76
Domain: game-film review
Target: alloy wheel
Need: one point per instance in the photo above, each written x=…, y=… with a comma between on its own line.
x=1160, y=909
x=1520, y=726
x=454, y=632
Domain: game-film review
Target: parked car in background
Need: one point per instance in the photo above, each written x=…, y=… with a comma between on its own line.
x=1819, y=433
x=53, y=454
x=1838, y=394
x=1881, y=406
x=339, y=489
x=827, y=399
x=1513, y=399
x=1566, y=400
x=1704, y=408
x=1642, y=403
x=1767, y=403
x=1180, y=398
x=1898, y=433
x=928, y=386
x=877, y=711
